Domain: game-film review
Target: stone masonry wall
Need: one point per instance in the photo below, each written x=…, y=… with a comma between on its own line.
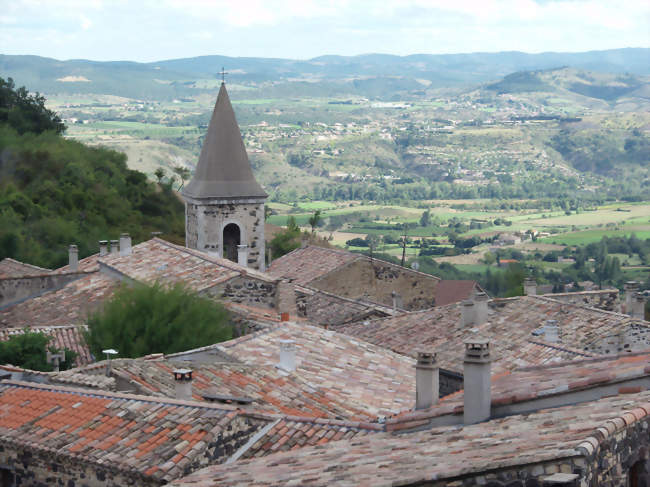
x=379, y=280
x=15, y=289
x=633, y=338
x=245, y=290
x=607, y=299
x=40, y=469
x=204, y=225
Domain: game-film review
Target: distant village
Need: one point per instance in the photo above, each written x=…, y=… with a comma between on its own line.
x=347, y=370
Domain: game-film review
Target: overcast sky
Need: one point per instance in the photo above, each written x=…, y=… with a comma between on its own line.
x=143, y=30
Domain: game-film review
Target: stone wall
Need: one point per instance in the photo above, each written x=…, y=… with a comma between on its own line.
x=375, y=281
x=633, y=338
x=245, y=290
x=449, y=382
x=205, y=221
x=606, y=299
x=32, y=467
x=16, y=289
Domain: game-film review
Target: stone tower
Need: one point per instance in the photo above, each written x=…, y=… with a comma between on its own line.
x=224, y=204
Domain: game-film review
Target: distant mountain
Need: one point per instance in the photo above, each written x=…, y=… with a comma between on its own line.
x=365, y=75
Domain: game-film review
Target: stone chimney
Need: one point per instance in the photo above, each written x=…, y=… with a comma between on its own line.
x=530, y=286
x=242, y=255
x=287, y=355
x=183, y=384
x=637, y=309
x=285, y=299
x=269, y=255
x=398, y=302
x=103, y=248
x=115, y=247
x=480, y=308
x=551, y=331
x=467, y=313
x=109, y=353
x=476, y=372
x=125, y=244
x=630, y=288
x=426, y=381
x=304, y=241
x=55, y=359
x=73, y=258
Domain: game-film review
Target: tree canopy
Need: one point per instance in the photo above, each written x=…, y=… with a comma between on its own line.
x=26, y=112
x=29, y=350
x=142, y=319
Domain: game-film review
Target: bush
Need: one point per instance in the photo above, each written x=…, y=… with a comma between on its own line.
x=143, y=319
x=29, y=351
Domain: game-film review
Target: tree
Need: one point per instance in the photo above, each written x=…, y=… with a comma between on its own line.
x=314, y=220
x=160, y=174
x=142, y=319
x=26, y=112
x=29, y=350
x=425, y=219
x=183, y=173
x=404, y=238
x=286, y=240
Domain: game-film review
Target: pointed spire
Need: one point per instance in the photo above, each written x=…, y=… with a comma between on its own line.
x=223, y=170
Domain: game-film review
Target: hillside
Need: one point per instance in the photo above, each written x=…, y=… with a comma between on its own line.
x=376, y=75
x=55, y=192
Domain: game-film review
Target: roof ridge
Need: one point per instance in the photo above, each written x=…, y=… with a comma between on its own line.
x=583, y=306
x=587, y=359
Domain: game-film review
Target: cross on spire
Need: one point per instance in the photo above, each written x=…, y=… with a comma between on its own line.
x=223, y=74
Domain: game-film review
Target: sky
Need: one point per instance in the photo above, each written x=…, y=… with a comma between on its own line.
x=144, y=30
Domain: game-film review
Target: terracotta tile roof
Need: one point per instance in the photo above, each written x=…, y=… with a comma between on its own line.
x=158, y=260
x=440, y=453
x=270, y=390
x=87, y=264
x=347, y=370
x=509, y=329
x=65, y=336
x=13, y=268
x=66, y=306
x=66, y=377
x=155, y=438
x=291, y=433
x=453, y=291
x=306, y=264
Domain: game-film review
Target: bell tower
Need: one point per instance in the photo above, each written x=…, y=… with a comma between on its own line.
x=224, y=204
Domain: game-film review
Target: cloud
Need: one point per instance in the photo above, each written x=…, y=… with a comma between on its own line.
x=86, y=23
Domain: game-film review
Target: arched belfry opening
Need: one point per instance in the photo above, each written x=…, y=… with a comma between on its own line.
x=231, y=239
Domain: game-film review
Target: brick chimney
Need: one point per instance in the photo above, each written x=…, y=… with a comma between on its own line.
x=530, y=286
x=115, y=247
x=287, y=355
x=183, y=384
x=630, y=288
x=426, y=381
x=73, y=258
x=125, y=244
x=103, y=248
x=480, y=308
x=398, y=302
x=242, y=255
x=551, y=331
x=467, y=313
x=477, y=376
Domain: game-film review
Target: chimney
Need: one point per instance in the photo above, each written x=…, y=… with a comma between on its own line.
x=125, y=244
x=55, y=359
x=638, y=306
x=480, y=308
x=183, y=384
x=530, y=286
x=287, y=355
x=115, y=249
x=242, y=255
x=109, y=353
x=285, y=299
x=303, y=242
x=467, y=313
x=269, y=255
x=103, y=248
x=630, y=288
x=426, y=381
x=73, y=258
x=551, y=331
x=476, y=372
x=397, y=301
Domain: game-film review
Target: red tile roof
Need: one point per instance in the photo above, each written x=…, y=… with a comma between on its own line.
x=437, y=454
x=156, y=438
x=13, y=268
x=306, y=264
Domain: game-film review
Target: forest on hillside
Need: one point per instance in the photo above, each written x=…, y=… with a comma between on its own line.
x=55, y=192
